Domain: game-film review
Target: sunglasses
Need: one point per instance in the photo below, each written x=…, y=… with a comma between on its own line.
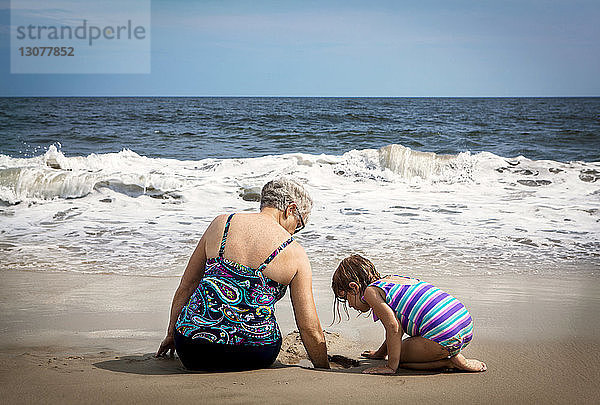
x=301, y=225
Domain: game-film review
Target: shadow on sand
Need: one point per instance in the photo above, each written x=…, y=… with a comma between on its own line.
x=147, y=364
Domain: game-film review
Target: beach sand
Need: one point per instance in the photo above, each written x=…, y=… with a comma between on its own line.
x=84, y=338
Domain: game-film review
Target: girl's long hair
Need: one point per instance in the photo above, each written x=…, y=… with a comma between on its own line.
x=356, y=269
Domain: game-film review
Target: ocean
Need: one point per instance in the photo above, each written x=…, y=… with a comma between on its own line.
x=453, y=186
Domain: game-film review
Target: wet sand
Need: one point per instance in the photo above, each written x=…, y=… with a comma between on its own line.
x=73, y=338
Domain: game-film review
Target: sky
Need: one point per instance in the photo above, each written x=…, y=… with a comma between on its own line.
x=348, y=48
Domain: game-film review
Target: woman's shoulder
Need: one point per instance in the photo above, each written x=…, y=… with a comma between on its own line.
x=221, y=218
x=218, y=223
x=296, y=250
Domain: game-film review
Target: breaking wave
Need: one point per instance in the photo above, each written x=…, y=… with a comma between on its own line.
x=53, y=175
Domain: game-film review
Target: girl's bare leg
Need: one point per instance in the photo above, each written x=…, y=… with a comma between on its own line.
x=423, y=354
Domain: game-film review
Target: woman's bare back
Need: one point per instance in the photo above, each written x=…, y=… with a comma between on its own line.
x=251, y=238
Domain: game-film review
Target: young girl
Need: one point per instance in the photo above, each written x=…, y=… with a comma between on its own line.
x=439, y=325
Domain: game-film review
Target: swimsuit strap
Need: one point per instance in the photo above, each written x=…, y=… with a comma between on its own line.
x=275, y=253
x=222, y=249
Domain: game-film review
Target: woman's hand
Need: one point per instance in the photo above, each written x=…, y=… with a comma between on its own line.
x=166, y=347
x=379, y=370
x=373, y=354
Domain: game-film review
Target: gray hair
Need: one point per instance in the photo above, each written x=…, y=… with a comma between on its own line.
x=282, y=192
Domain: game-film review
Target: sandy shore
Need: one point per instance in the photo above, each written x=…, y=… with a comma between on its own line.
x=73, y=338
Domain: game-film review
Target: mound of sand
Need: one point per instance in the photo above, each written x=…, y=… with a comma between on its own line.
x=342, y=352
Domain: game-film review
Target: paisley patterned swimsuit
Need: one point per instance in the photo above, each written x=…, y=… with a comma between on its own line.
x=233, y=304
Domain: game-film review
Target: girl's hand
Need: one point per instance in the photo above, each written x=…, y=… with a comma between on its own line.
x=379, y=370
x=372, y=354
x=167, y=346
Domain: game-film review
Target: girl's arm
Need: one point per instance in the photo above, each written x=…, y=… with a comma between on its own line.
x=382, y=351
x=393, y=329
x=376, y=354
x=189, y=282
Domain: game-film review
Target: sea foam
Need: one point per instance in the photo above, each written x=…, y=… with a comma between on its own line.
x=130, y=214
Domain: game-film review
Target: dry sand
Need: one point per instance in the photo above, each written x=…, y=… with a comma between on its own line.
x=90, y=339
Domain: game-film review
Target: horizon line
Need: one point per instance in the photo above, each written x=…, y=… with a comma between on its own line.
x=279, y=96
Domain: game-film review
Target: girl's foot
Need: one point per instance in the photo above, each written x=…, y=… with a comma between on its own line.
x=461, y=363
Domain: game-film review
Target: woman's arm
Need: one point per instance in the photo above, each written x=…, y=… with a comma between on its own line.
x=192, y=275
x=393, y=329
x=189, y=282
x=305, y=313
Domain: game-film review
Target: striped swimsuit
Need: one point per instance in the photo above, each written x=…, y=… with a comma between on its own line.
x=427, y=311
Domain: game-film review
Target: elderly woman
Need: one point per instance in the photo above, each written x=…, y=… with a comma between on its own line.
x=223, y=315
